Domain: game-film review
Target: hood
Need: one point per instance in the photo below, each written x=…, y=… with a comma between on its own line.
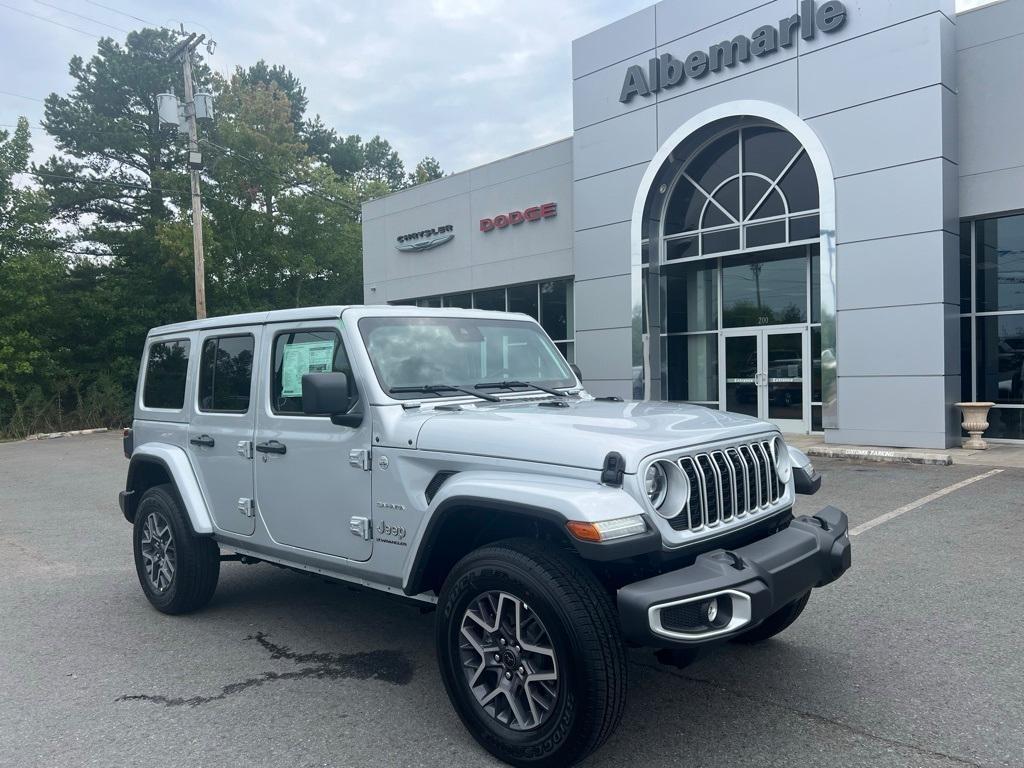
x=582, y=434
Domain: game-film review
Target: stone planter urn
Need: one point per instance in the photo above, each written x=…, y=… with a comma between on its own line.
x=975, y=422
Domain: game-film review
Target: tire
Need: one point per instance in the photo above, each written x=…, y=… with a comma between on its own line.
x=777, y=622
x=561, y=608
x=191, y=564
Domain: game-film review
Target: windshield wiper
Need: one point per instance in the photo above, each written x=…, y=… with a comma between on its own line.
x=437, y=389
x=513, y=384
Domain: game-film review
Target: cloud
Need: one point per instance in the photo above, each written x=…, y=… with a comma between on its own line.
x=467, y=81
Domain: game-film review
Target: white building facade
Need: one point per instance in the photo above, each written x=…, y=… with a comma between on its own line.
x=802, y=210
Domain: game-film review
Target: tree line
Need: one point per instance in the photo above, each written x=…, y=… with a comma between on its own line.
x=96, y=242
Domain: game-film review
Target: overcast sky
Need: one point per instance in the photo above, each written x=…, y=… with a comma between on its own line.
x=467, y=81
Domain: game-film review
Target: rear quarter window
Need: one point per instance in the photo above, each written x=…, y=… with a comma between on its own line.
x=166, y=371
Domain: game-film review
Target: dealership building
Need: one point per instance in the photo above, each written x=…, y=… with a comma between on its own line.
x=802, y=210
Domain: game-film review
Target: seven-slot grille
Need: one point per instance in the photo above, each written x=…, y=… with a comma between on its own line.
x=727, y=484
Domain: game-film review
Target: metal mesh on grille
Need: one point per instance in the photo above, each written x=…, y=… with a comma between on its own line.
x=436, y=482
x=683, y=618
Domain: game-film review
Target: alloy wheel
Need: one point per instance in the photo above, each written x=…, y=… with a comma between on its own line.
x=159, y=554
x=509, y=661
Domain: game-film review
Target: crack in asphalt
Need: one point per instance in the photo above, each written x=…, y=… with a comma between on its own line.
x=852, y=729
x=387, y=666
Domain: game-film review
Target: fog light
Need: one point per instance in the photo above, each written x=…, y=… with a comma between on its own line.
x=711, y=609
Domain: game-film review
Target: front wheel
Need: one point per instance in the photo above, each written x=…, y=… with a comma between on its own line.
x=178, y=570
x=530, y=654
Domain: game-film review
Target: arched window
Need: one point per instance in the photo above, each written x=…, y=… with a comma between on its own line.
x=745, y=188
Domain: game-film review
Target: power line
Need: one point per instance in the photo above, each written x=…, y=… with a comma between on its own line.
x=88, y=180
x=122, y=13
x=108, y=132
x=81, y=16
x=19, y=96
x=291, y=180
x=49, y=21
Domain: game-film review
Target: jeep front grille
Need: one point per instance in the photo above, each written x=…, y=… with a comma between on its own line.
x=728, y=484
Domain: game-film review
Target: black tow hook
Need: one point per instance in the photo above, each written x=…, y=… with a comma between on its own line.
x=731, y=558
x=816, y=520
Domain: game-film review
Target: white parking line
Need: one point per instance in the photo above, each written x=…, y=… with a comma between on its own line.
x=919, y=503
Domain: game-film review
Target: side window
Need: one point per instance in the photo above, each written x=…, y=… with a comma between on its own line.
x=300, y=352
x=166, y=369
x=225, y=374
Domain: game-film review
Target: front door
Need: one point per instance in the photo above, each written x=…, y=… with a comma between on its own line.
x=765, y=376
x=307, y=487
x=221, y=429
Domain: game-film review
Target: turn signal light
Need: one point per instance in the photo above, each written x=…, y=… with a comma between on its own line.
x=606, y=530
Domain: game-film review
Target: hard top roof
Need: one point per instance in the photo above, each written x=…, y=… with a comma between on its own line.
x=328, y=312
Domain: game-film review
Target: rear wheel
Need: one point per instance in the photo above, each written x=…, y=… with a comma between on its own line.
x=178, y=570
x=777, y=622
x=530, y=653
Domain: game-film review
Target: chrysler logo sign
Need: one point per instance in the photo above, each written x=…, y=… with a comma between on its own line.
x=666, y=71
x=425, y=240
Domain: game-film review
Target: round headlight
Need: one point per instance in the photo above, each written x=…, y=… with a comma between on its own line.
x=667, y=488
x=783, y=462
x=656, y=484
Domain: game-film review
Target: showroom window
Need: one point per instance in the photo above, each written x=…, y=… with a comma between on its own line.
x=734, y=228
x=550, y=303
x=701, y=296
x=992, y=320
x=748, y=188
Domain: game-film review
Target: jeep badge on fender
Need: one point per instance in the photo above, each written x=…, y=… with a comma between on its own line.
x=550, y=528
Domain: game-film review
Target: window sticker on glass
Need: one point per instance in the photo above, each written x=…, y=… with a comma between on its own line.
x=302, y=358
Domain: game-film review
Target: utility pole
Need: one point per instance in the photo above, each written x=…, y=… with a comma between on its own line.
x=185, y=50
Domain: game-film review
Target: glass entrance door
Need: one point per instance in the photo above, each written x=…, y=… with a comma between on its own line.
x=742, y=375
x=765, y=376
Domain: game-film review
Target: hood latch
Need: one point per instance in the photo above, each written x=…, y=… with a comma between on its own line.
x=613, y=470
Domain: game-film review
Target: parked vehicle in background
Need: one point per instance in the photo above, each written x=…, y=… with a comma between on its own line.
x=453, y=457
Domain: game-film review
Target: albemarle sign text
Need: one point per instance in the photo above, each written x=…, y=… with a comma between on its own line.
x=666, y=71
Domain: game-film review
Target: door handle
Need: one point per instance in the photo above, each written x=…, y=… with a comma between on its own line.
x=204, y=440
x=272, y=447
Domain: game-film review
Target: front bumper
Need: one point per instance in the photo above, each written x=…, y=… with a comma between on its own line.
x=747, y=584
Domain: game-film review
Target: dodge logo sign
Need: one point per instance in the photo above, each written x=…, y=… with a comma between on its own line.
x=512, y=218
x=427, y=239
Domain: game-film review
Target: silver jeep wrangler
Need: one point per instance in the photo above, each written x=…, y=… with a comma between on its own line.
x=454, y=457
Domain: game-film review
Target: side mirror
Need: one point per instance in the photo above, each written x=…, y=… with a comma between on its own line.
x=329, y=393
x=576, y=369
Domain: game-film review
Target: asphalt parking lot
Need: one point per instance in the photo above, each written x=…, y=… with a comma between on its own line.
x=915, y=658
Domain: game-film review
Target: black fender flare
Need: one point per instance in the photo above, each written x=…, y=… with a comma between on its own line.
x=644, y=543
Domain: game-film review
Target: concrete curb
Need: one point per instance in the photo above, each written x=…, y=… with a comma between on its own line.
x=886, y=455
x=72, y=433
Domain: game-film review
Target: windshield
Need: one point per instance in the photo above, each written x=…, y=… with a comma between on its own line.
x=461, y=352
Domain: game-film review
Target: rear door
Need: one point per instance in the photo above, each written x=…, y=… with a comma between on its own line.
x=221, y=431
x=308, y=485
